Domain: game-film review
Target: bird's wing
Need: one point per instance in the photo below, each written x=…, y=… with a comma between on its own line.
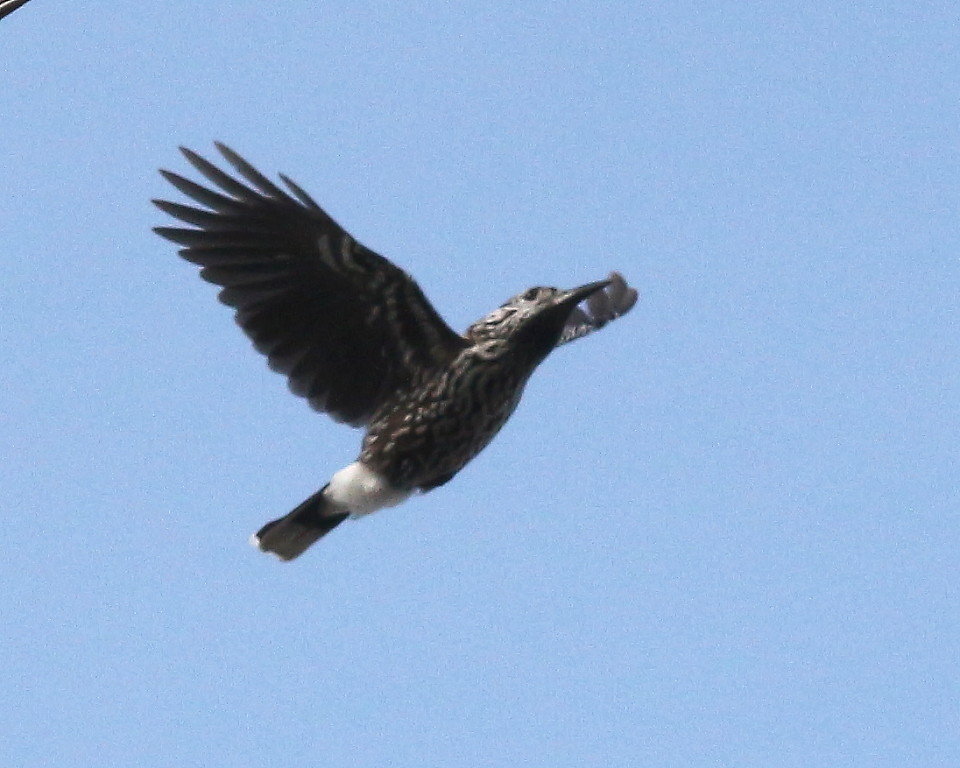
x=346, y=326
x=599, y=309
x=9, y=6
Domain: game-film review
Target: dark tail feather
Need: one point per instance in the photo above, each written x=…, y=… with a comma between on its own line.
x=289, y=536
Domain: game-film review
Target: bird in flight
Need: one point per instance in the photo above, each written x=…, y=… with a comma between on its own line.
x=357, y=338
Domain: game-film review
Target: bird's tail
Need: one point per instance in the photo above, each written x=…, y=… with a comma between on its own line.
x=290, y=536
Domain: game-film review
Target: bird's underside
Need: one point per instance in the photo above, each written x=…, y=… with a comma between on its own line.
x=357, y=338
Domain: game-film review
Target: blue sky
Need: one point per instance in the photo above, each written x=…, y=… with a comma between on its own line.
x=722, y=532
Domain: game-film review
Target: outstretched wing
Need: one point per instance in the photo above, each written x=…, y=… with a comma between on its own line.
x=346, y=326
x=600, y=308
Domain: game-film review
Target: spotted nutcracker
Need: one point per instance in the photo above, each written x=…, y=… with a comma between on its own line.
x=355, y=335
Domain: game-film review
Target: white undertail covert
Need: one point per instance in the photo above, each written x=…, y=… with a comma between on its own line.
x=359, y=490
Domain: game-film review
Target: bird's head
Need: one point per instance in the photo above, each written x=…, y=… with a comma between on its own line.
x=532, y=320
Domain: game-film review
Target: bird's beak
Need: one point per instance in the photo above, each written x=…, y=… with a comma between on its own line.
x=575, y=295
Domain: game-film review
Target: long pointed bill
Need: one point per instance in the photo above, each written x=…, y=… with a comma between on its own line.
x=575, y=295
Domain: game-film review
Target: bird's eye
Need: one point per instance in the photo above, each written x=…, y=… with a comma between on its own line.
x=531, y=294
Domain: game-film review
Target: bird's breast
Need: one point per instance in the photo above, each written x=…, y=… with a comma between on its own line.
x=430, y=434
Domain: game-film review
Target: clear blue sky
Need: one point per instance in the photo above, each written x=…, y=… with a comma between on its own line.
x=722, y=532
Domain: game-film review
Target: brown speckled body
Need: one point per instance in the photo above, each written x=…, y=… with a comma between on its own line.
x=430, y=432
